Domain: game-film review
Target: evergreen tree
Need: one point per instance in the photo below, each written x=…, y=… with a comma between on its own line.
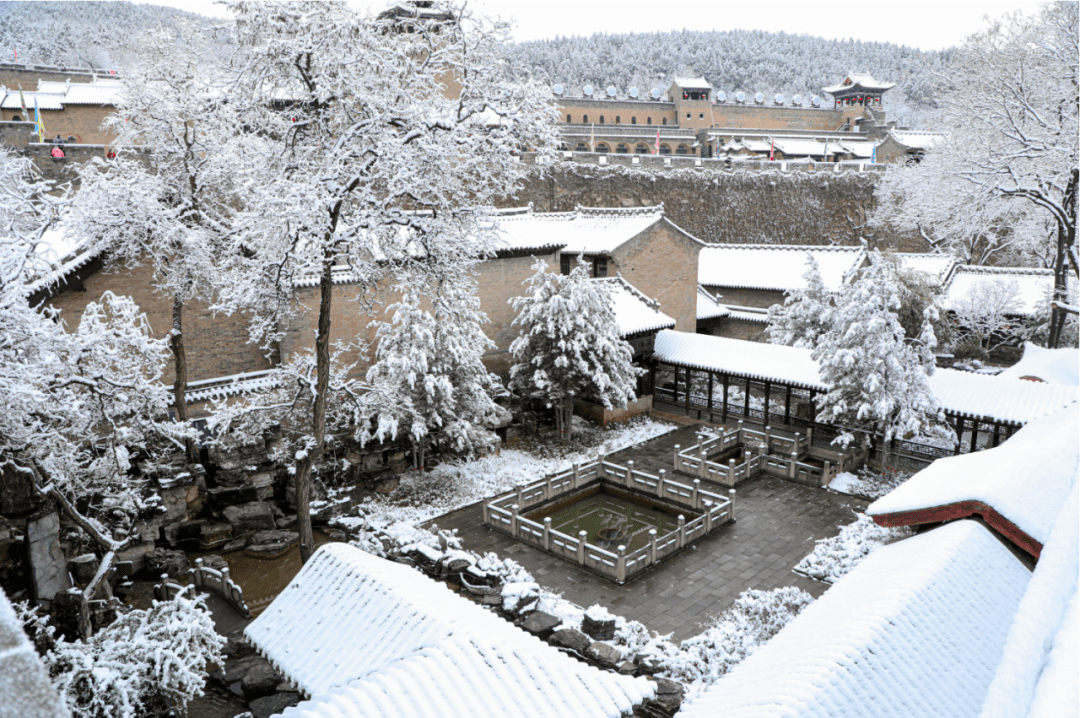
x=570, y=346
x=799, y=321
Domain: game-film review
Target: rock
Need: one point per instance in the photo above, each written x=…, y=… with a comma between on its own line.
x=234, y=545
x=491, y=599
x=268, y=544
x=162, y=560
x=17, y=495
x=260, y=680
x=83, y=568
x=286, y=687
x=540, y=624
x=214, y=534
x=273, y=704
x=48, y=567
x=229, y=454
x=570, y=638
x=627, y=668
x=236, y=688
x=606, y=655
x=254, y=516
x=215, y=562
x=337, y=535
x=669, y=695
x=599, y=624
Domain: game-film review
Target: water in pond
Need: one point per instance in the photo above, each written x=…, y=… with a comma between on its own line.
x=612, y=520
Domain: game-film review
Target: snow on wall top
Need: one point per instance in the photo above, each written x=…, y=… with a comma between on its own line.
x=585, y=231
x=349, y=615
x=708, y=307
x=1025, y=479
x=25, y=689
x=776, y=267
x=980, y=396
x=1034, y=285
x=916, y=629
x=962, y=393
x=12, y=101
x=770, y=362
x=1054, y=366
x=938, y=266
x=917, y=140
x=634, y=312
x=1039, y=666
x=475, y=676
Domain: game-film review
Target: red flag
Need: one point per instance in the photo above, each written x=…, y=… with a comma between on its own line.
x=657, y=141
x=772, y=149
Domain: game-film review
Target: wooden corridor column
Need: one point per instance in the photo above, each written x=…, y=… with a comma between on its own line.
x=688, y=391
x=974, y=436
x=746, y=400
x=787, y=405
x=723, y=418
x=709, y=402
x=959, y=434
x=768, y=393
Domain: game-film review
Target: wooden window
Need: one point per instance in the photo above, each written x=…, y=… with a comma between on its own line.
x=602, y=148
x=641, y=149
x=682, y=150
x=665, y=149
x=622, y=149
x=599, y=267
x=648, y=120
x=568, y=118
x=618, y=120
x=566, y=263
x=601, y=119
x=581, y=147
x=584, y=119
x=665, y=121
x=633, y=120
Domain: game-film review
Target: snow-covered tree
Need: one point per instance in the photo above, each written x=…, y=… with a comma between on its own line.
x=430, y=356
x=147, y=663
x=569, y=347
x=376, y=135
x=799, y=321
x=877, y=379
x=988, y=313
x=77, y=403
x=168, y=198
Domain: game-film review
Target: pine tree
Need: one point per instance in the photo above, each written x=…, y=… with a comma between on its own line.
x=569, y=346
x=877, y=379
x=799, y=321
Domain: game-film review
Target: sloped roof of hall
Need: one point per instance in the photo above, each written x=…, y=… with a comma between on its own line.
x=586, y=230
x=859, y=79
x=692, y=83
x=775, y=266
x=634, y=311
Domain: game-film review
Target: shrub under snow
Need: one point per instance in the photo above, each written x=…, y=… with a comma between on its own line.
x=833, y=557
x=869, y=484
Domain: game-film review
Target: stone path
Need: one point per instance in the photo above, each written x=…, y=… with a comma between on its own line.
x=777, y=524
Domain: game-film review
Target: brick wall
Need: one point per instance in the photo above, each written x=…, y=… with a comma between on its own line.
x=741, y=329
x=625, y=110
x=12, y=75
x=759, y=298
x=80, y=121
x=662, y=263
x=500, y=280
x=215, y=345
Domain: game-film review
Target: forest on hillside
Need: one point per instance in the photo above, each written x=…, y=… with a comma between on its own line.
x=736, y=60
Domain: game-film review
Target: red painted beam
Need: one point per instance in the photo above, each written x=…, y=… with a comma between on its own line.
x=960, y=510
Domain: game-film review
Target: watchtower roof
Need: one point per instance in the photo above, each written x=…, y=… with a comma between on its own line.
x=692, y=83
x=859, y=81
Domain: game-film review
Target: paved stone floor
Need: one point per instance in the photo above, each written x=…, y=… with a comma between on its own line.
x=777, y=522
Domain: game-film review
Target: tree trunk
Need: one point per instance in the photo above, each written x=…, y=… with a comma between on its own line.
x=1066, y=237
x=176, y=342
x=318, y=417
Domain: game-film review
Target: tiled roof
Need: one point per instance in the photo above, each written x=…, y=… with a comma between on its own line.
x=917, y=140
x=859, y=79
x=775, y=267
x=1054, y=366
x=938, y=266
x=1033, y=285
x=767, y=362
x=917, y=629
x=707, y=305
x=586, y=230
x=1018, y=486
x=226, y=386
x=414, y=647
x=981, y=396
x=635, y=312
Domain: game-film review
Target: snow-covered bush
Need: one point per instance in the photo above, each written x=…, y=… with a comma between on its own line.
x=570, y=346
x=754, y=618
x=836, y=556
x=148, y=663
x=868, y=483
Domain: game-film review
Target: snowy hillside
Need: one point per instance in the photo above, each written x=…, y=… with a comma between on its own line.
x=748, y=60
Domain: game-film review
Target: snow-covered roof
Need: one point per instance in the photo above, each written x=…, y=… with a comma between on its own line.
x=692, y=83
x=1034, y=285
x=634, y=312
x=770, y=362
x=917, y=629
x=1054, y=366
x=414, y=647
x=747, y=314
x=991, y=398
x=776, y=267
x=804, y=147
x=973, y=396
x=707, y=306
x=1039, y=666
x=25, y=688
x=98, y=92
x=585, y=231
x=1018, y=486
x=859, y=149
x=917, y=140
x=859, y=79
x=938, y=266
x=225, y=386
x=12, y=101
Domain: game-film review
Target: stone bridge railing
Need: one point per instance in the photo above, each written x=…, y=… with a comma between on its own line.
x=503, y=513
x=204, y=578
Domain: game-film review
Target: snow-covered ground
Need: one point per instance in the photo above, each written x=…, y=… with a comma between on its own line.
x=834, y=557
x=868, y=484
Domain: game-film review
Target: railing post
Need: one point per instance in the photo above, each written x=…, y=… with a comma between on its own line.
x=731, y=509
x=487, y=513
x=514, y=520
x=682, y=530
x=577, y=475
x=731, y=471
x=677, y=447
x=797, y=447
x=547, y=489
x=652, y=545
x=702, y=470
x=629, y=474
x=547, y=533
x=825, y=473
x=600, y=470
x=582, y=535
x=198, y=573
x=708, y=515
x=768, y=436
x=809, y=437
x=620, y=565
x=792, y=469
x=694, y=493
x=742, y=433
x=520, y=496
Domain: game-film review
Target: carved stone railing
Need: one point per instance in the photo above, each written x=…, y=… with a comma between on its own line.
x=204, y=578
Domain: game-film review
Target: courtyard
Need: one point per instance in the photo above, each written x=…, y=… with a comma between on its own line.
x=777, y=524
